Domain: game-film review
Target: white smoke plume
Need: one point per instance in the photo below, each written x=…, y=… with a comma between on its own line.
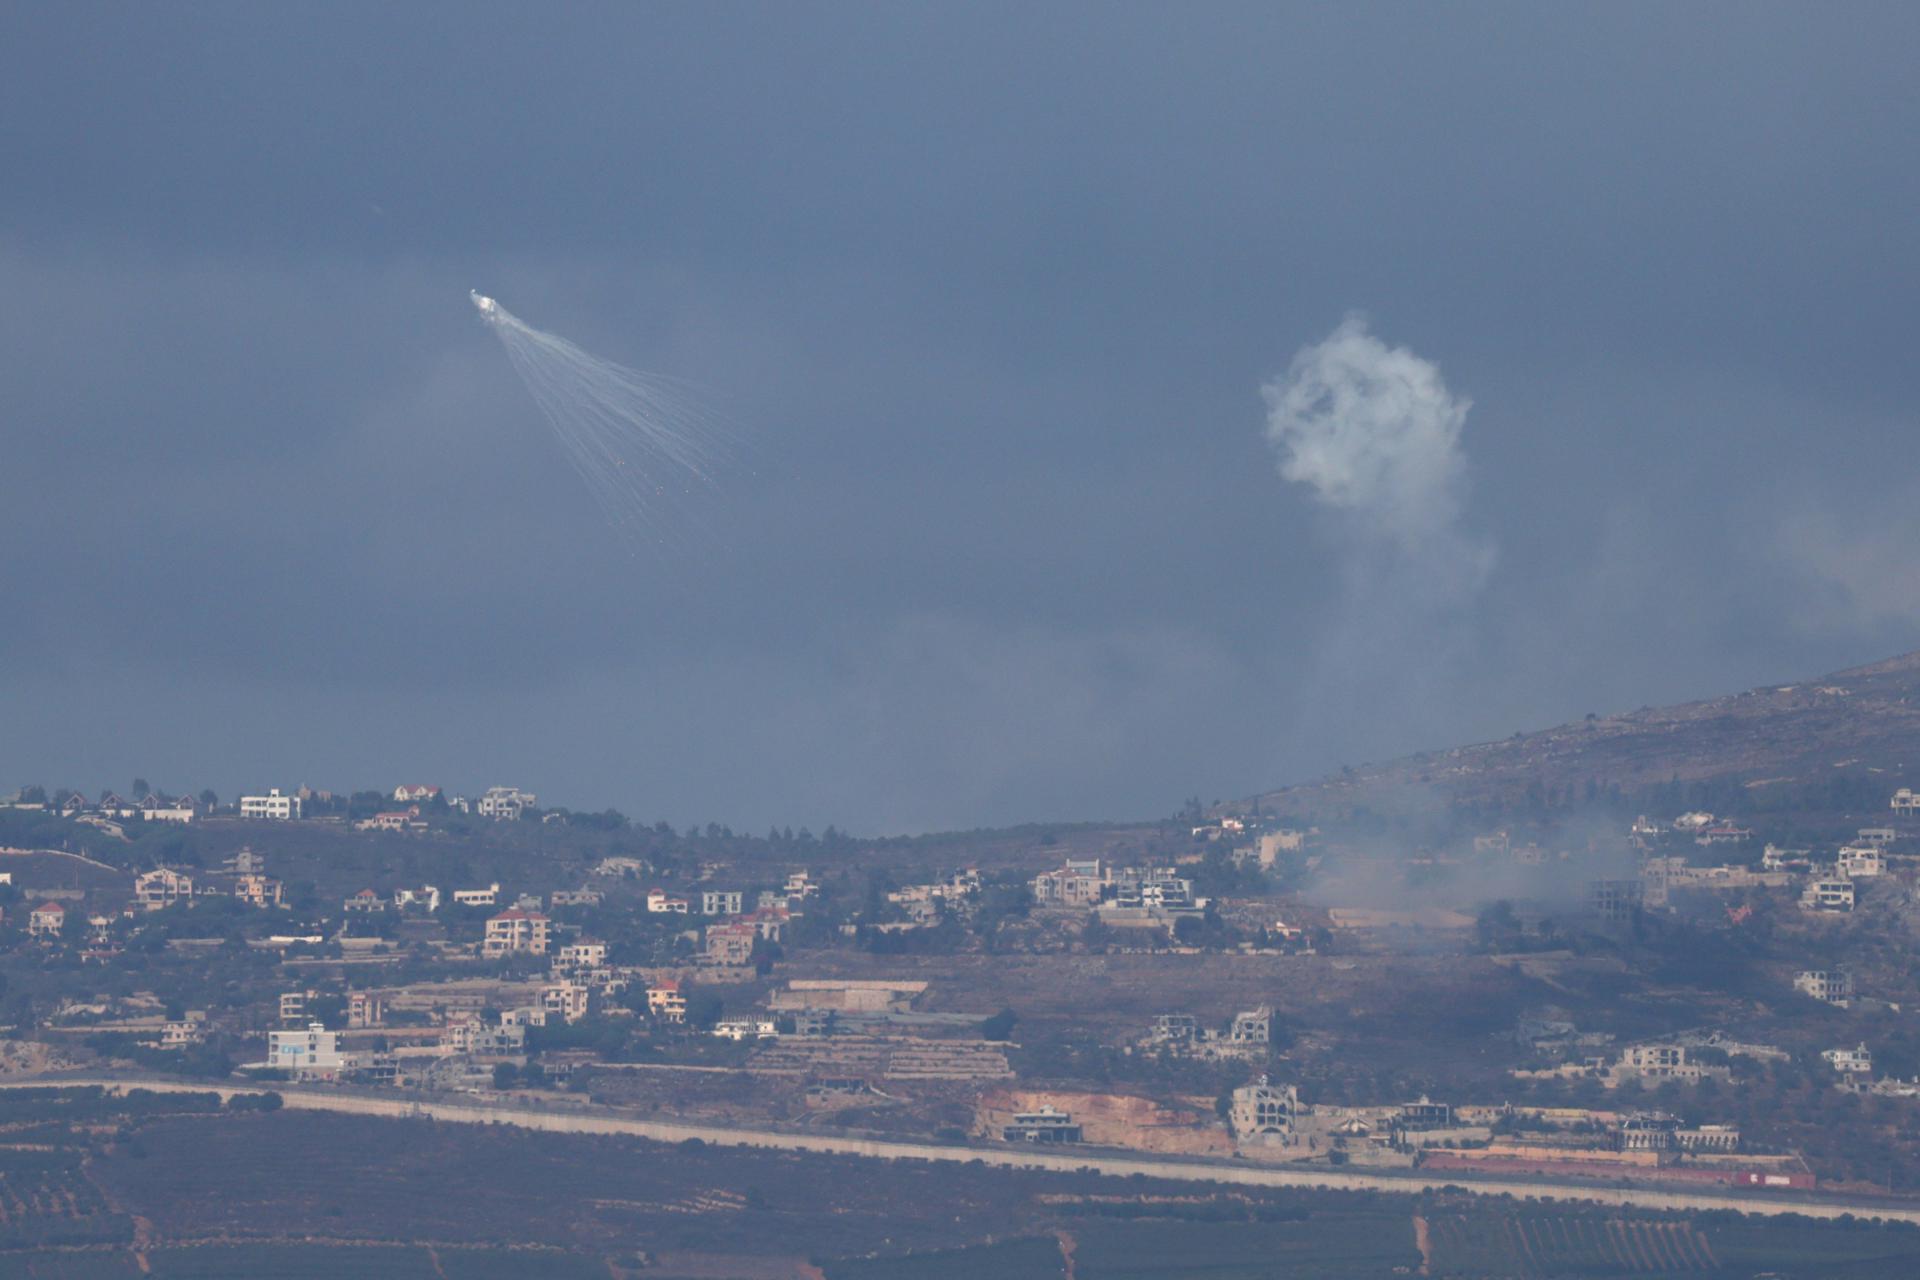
x=1375, y=433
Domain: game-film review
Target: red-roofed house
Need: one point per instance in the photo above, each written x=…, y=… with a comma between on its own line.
x=666, y=1001
x=46, y=920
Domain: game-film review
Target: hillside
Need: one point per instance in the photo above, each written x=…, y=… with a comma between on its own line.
x=1866, y=719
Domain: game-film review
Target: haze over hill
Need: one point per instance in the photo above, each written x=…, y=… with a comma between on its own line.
x=1865, y=717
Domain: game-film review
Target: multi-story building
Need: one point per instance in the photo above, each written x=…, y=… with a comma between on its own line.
x=720, y=902
x=160, y=888
x=666, y=1001
x=366, y=1009
x=1831, y=893
x=257, y=890
x=1658, y=1062
x=273, y=806
x=731, y=943
x=1834, y=986
x=504, y=804
x=570, y=1000
x=1254, y=1027
x=365, y=902
x=1856, y=861
x=414, y=793
x=310, y=1054
x=1080, y=882
x=1906, y=800
x=1263, y=1108
x=293, y=1005
x=1857, y=1061
x=46, y=920
x=515, y=931
x=581, y=955
x=659, y=901
x=487, y=897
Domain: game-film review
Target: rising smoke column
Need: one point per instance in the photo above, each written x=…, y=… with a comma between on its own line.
x=638, y=441
x=1374, y=435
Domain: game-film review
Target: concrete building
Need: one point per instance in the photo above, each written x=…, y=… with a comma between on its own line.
x=310, y=1054
x=1263, y=1108
x=366, y=1009
x=161, y=888
x=1906, y=800
x=1252, y=1028
x=273, y=806
x=1857, y=1061
x=514, y=931
x=487, y=897
x=258, y=891
x=504, y=804
x=1834, y=893
x=568, y=1000
x=1046, y=1125
x=1858, y=861
x=731, y=943
x=720, y=902
x=1834, y=986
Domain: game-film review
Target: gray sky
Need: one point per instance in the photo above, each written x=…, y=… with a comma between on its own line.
x=995, y=291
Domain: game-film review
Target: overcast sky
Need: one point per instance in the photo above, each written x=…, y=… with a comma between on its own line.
x=995, y=292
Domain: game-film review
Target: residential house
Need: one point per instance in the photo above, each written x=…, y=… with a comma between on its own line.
x=365, y=902
x=274, y=806
x=160, y=888
x=731, y=943
x=576, y=898
x=293, y=1005
x=666, y=1001
x=720, y=902
x=394, y=820
x=1859, y=861
x=487, y=897
x=1832, y=893
x=582, y=955
x=570, y=1000
x=257, y=890
x=1857, y=1061
x=1906, y=800
x=1724, y=833
x=426, y=896
x=414, y=793
x=1079, y=882
x=504, y=804
x=514, y=931
x=1881, y=836
x=753, y=1028
x=659, y=901
x=46, y=920
x=1252, y=1028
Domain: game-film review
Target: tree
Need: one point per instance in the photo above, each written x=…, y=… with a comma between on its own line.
x=999, y=1026
x=208, y=800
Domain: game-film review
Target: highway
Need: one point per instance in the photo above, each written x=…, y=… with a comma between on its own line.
x=594, y=1120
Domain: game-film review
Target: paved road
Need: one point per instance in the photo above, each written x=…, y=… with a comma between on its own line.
x=608, y=1122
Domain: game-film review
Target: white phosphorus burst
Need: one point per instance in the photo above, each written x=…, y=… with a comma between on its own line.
x=638, y=441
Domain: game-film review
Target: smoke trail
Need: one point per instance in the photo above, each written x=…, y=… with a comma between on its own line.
x=1375, y=433
x=640, y=444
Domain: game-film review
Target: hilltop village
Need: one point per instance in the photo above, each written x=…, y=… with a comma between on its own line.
x=1670, y=999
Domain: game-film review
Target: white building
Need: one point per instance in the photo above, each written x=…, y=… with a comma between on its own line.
x=1857, y=861
x=1906, y=800
x=1857, y=1061
x=487, y=897
x=160, y=888
x=720, y=902
x=1263, y=1108
x=504, y=804
x=315, y=1051
x=272, y=806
